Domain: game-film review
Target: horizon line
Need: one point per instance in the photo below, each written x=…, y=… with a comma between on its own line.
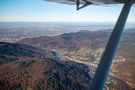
x=62, y=21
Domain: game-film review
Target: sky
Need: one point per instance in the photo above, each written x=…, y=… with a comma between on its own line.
x=43, y=11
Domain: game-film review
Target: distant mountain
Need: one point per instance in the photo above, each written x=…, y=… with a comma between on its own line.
x=24, y=69
x=69, y=41
x=83, y=39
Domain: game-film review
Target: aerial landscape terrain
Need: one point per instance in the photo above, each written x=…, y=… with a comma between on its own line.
x=62, y=56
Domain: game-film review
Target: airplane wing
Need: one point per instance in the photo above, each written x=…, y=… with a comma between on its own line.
x=70, y=2
x=73, y=2
x=83, y=3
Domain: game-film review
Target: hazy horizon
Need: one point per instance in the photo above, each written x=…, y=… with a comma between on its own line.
x=65, y=24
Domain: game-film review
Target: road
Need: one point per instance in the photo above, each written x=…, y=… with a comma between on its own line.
x=122, y=84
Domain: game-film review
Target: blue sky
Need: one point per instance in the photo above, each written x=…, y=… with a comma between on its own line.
x=39, y=10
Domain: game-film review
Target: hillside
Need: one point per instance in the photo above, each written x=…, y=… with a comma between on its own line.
x=69, y=41
x=30, y=72
x=13, y=50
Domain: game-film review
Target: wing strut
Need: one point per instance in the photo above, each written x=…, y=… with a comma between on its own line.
x=98, y=82
x=78, y=7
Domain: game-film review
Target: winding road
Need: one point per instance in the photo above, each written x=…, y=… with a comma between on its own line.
x=122, y=84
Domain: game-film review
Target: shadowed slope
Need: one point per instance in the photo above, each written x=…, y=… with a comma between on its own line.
x=35, y=73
